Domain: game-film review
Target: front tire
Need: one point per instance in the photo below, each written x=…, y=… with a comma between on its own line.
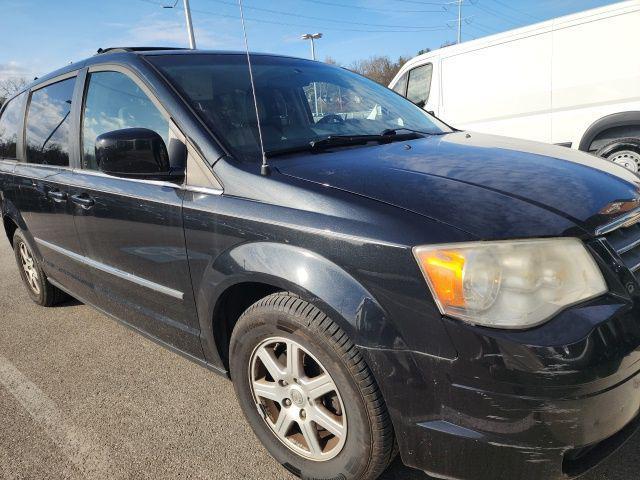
x=34, y=278
x=307, y=392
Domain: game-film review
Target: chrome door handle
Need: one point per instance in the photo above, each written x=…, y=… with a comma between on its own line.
x=57, y=196
x=83, y=200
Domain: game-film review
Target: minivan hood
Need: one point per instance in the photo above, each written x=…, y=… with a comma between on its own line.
x=492, y=187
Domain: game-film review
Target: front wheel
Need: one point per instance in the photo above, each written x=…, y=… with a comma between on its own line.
x=307, y=392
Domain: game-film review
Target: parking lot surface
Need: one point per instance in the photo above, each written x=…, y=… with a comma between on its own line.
x=83, y=397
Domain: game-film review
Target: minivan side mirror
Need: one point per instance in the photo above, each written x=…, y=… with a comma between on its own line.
x=135, y=153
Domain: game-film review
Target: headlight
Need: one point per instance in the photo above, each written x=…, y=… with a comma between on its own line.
x=509, y=284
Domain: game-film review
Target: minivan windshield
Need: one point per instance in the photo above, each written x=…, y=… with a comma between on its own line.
x=301, y=102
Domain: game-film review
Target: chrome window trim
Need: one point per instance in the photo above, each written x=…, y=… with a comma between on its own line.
x=156, y=287
x=95, y=173
x=626, y=220
x=205, y=190
x=158, y=183
x=46, y=166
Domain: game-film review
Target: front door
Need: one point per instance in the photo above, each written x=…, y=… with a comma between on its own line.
x=44, y=179
x=131, y=230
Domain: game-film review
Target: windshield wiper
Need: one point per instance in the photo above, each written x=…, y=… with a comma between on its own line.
x=345, y=141
x=394, y=131
x=387, y=136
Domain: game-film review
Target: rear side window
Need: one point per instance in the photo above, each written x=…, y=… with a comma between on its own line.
x=401, y=85
x=9, y=126
x=419, y=84
x=49, y=124
x=114, y=102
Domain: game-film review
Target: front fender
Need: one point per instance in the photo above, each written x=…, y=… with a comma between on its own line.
x=315, y=278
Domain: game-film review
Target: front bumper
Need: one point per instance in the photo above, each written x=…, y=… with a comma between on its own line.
x=506, y=409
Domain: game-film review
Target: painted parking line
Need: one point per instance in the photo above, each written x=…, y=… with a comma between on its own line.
x=92, y=461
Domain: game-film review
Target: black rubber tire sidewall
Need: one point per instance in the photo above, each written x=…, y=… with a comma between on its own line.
x=49, y=295
x=256, y=327
x=619, y=144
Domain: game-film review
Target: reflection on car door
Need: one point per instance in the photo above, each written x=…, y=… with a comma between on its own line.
x=131, y=230
x=11, y=115
x=44, y=178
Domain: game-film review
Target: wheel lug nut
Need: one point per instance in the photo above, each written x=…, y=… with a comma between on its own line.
x=287, y=402
x=303, y=414
x=283, y=383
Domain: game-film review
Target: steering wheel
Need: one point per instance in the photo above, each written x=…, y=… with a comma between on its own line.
x=331, y=118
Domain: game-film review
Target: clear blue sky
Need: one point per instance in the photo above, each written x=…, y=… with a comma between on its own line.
x=40, y=35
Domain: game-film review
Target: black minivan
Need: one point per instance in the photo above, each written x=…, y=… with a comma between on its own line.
x=371, y=279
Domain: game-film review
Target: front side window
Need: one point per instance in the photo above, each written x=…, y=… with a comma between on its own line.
x=9, y=126
x=49, y=125
x=299, y=101
x=419, y=84
x=401, y=85
x=114, y=101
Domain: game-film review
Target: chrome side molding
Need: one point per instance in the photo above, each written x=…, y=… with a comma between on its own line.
x=113, y=271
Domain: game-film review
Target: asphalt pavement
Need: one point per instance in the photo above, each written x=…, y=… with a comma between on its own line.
x=83, y=397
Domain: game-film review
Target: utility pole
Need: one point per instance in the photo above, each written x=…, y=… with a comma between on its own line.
x=312, y=37
x=459, y=20
x=187, y=16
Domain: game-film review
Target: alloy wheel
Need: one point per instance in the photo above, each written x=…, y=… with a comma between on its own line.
x=29, y=267
x=298, y=399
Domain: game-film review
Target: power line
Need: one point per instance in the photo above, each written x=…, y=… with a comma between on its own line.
x=440, y=4
x=495, y=13
x=373, y=9
x=306, y=25
x=517, y=10
x=323, y=19
x=482, y=28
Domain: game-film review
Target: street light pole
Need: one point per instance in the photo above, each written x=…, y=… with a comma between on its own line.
x=312, y=37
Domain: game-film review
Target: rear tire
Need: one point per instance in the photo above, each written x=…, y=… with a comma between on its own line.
x=35, y=280
x=624, y=152
x=359, y=444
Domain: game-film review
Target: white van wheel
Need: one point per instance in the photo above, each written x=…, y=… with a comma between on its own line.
x=624, y=152
x=627, y=159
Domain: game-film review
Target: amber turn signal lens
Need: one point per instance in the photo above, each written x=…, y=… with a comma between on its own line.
x=445, y=271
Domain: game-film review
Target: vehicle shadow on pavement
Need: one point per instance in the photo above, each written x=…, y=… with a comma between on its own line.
x=397, y=471
x=68, y=302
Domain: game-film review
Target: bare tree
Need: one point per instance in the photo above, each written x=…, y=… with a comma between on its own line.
x=330, y=60
x=10, y=86
x=378, y=68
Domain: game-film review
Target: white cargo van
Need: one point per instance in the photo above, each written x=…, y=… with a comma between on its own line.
x=572, y=81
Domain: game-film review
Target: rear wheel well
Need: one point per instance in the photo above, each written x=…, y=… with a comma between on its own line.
x=233, y=302
x=609, y=134
x=10, y=228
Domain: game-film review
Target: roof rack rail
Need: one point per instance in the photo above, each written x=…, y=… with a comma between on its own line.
x=134, y=49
